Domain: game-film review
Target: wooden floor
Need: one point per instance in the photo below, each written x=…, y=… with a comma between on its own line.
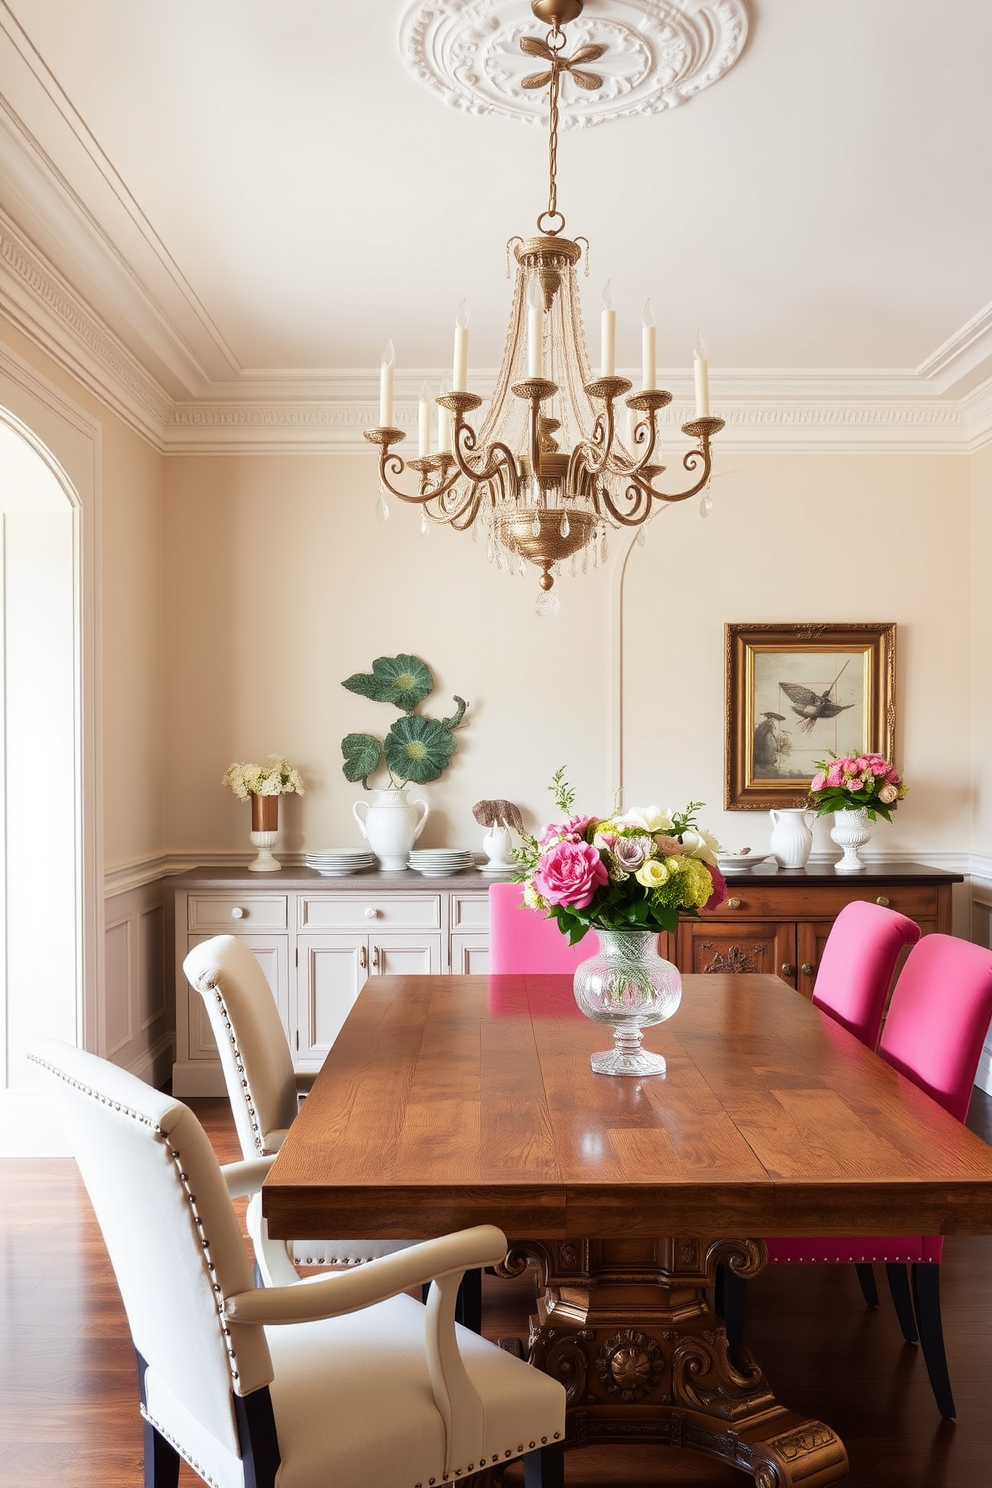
x=67, y=1381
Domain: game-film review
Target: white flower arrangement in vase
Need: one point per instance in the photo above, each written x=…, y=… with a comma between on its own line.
x=262, y=785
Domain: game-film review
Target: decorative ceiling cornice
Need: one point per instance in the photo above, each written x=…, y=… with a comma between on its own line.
x=783, y=410
x=659, y=54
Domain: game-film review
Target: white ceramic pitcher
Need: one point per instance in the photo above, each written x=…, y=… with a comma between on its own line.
x=791, y=841
x=390, y=826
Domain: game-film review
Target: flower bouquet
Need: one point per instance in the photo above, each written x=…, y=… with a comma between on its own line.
x=628, y=876
x=262, y=785
x=848, y=782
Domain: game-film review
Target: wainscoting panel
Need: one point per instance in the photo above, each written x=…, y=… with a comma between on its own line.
x=138, y=1022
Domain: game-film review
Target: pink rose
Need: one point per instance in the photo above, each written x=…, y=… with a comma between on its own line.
x=878, y=765
x=669, y=847
x=605, y=841
x=570, y=874
x=835, y=775
x=818, y=782
x=892, y=776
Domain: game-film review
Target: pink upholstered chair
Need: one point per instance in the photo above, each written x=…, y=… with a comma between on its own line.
x=937, y=1023
x=522, y=939
x=857, y=964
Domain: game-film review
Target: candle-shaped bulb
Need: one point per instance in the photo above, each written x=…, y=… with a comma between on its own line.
x=459, y=375
x=608, y=337
x=424, y=422
x=702, y=377
x=386, y=386
x=649, y=358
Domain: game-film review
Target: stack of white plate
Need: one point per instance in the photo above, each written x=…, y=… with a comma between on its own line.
x=337, y=861
x=438, y=862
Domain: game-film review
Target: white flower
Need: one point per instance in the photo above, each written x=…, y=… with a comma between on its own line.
x=698, y=843
x=651, y=818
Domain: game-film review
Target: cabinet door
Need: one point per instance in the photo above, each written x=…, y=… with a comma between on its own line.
x=404, y=955
x=469, y=954
x=272, y=952
x=330, y=973
x=740, y=946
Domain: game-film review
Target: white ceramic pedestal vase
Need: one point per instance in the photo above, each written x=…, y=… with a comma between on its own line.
x=264, y=833
x=792, y=840
x=390, y=826
x=851, y=830
x=629, y=987
x=497, y=846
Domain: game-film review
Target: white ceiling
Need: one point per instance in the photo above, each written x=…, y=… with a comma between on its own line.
x=256, y=193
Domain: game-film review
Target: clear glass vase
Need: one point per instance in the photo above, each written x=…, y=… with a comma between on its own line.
x=629, y=987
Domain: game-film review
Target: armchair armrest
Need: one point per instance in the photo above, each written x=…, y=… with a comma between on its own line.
x=362, y=1286
x=442, y=1261
x=246, y=1178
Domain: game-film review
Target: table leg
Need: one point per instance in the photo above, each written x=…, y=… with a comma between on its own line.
x=628, y=1328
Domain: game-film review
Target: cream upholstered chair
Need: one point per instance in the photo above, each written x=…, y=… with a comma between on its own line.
x=344, y=1380
x=262, y=1088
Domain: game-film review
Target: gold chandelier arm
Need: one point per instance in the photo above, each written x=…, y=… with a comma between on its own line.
x=642, y=479
x=437, y=473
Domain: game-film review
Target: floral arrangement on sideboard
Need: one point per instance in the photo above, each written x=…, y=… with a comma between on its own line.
x=276, y=777
x=848, y=782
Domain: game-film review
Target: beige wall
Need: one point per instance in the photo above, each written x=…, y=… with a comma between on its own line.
x=980, y=578
x=280, y=582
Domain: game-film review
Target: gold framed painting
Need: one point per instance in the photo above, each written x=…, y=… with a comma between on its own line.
x=796, y=694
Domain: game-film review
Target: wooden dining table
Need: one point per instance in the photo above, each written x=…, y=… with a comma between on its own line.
x=448, y=1101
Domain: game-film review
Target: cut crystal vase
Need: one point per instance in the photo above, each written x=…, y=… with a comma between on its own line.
x=629, y=987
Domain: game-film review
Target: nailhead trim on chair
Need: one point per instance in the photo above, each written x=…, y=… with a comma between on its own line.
x=190, y=1197
x=167, y=1435
x=205, y=984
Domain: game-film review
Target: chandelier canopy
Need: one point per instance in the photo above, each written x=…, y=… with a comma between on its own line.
x=549, y=471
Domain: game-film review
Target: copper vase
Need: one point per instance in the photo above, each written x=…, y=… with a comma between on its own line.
x=264, y=813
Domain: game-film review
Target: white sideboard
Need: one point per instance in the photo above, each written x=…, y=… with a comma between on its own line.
x=318, y=939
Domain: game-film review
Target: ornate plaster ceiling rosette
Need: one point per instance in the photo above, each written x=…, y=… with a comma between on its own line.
x=659, y=53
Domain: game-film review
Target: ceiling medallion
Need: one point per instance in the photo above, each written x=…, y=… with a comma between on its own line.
x=660, y=52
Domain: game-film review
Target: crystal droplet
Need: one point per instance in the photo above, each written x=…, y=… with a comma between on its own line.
x=564, y=527
x=382, y=507
x=585, y=560
x=573, y=566
x=604, y=550
x=521, y=568
x=424, y=529
x=490, y=551
x=556, y=570
x=535, y=526
x=476, y=531
x=706, y=505
x=547, y=604
x=642, y=537
x=595, y=553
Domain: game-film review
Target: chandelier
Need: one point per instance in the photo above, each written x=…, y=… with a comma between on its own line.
x=549, y=472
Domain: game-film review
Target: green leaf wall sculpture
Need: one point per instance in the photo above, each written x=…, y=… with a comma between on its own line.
x=416, y=748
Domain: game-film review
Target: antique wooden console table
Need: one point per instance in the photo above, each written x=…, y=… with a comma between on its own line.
x=449, y=1100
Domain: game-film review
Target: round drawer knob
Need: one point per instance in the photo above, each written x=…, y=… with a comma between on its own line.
x=237, y=913
x=788, y=969
x=371, y=913
x=808, y=968
x=733, y=904
x=883, y=901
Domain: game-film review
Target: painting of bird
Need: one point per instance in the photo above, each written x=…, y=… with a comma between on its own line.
x=811, y=706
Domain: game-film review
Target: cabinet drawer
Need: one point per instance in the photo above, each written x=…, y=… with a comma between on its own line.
x=470, y=912
x=370, y=912
x=797, y=902
x=234, y=912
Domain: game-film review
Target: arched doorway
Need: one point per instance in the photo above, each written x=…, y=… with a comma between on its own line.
x=45, y=943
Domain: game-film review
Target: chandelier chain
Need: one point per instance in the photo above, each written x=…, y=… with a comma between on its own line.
x=556, y=40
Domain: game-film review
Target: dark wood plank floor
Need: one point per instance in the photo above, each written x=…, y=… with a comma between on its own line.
x=68, y=1389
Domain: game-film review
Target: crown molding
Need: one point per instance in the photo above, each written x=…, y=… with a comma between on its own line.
x=265, y=411
x=964, y=357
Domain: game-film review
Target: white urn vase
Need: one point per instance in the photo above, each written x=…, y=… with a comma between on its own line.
x=792, y=839
x=851, y=830
x=390, y=826
x=498, y=848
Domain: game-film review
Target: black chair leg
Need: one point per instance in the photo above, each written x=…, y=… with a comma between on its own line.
x=161, y=1459
x=468, y=1309
x=545, y=1468
x=731, y=1301
x=926, y=1297
x=869, y=1290
x=899, y=1287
